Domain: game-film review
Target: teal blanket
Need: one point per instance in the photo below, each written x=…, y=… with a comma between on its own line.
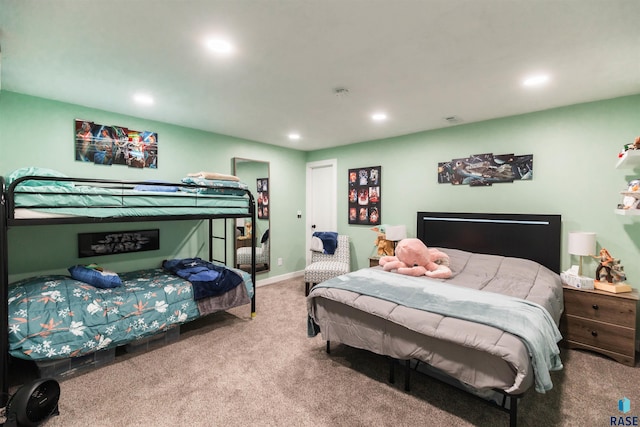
x=56, y=317
x=527, y=320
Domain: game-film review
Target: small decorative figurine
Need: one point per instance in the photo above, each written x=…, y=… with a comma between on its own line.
x=635, y=145
x=385, y=247
x=610, y=274
x=630, y=201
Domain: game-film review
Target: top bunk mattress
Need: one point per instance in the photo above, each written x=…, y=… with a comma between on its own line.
x=53, y=195
x=105, y=202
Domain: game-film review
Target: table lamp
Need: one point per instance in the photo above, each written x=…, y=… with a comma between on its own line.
x=582, y=243
x=395, y=233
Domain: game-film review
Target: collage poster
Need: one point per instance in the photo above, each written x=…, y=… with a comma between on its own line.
x=115, y=145
x=262, y=185
x=364, y=195
x=481, y=170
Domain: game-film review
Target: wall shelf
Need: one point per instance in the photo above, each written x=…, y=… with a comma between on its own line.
x=628, y=212
x=635, y=194
x=630, y=159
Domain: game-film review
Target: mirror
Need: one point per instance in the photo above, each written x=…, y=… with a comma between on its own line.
x=255, y=174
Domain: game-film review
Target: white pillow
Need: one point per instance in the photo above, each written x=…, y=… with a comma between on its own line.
x=316, y=244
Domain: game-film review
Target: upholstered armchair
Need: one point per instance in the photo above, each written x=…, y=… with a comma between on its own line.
x=243, y=255
x=324, y=266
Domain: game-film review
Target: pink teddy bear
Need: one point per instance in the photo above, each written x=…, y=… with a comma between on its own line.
x=413, y=258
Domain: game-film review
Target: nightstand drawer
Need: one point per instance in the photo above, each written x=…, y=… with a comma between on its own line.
x=604, y=308
x=601, y=335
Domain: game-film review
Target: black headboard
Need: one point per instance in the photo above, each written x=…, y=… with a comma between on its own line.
x=534, y=237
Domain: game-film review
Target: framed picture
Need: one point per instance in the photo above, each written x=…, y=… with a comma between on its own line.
x=365, y=195
x=262, y=186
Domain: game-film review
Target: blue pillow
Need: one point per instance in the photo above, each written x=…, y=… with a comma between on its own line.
x=97, y=278
x=156, y=186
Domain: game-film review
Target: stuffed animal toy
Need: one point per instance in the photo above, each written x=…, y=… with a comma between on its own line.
x=385, y=247
x=413, y=258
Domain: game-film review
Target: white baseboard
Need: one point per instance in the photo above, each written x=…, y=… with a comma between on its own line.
x=276, y=279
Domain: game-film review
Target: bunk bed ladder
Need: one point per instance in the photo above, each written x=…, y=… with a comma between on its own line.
x=213, y=237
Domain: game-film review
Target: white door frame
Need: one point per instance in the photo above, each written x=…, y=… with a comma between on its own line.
x=330, y=194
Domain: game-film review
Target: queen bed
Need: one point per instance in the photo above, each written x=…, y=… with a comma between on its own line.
x=491, y=326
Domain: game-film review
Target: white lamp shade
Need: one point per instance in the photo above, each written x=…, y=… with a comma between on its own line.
x=582, y=243
x=395, y=233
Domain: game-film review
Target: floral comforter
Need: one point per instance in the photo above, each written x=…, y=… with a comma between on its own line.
x=54, y=317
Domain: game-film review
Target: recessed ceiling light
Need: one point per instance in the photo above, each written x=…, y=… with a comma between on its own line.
x=143, y=99
x=379, y=117
x=294, y=136
x=536, y=80
x=219, y=46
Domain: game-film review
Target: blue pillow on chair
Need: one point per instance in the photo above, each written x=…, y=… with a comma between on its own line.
x=98, y=278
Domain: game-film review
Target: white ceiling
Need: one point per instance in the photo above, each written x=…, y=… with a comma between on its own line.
x=420, y=61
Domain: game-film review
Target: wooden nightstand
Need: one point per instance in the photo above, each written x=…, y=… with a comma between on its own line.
x=374, y=261
x=600, y=321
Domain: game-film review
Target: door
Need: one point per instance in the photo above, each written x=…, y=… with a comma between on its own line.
x=321, y=199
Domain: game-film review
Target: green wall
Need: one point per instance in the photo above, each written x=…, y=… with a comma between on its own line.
x=40, y=132
x=575, y=150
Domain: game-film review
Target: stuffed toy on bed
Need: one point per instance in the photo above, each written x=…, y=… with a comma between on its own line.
x=413, y=258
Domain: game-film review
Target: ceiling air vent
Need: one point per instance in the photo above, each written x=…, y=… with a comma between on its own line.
x=453, y=120
x=341, y=92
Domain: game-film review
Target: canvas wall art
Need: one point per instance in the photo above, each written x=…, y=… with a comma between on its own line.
x=115, y=145
x=486, y=169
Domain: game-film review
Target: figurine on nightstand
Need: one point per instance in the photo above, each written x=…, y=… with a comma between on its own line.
x=385, y=247
x=610, y=274
x=606, y=261
x=616, y=274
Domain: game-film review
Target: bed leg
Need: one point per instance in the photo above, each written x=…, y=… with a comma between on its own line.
x=513, y=411
x=392, y=370
x=407, y=375
x=328, y=347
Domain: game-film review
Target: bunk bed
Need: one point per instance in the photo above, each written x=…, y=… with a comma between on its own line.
x=131, y=305
x=463, y=329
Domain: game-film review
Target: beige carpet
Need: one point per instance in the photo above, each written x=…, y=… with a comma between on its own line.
x=229, y=370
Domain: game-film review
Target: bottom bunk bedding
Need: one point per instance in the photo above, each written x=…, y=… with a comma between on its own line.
x=469, y=342
x=54, y=317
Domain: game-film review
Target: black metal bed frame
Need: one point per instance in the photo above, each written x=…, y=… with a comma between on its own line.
x=509, y=401
x=7, y=216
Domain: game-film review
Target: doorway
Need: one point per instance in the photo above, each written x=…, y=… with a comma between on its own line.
x=321, y=199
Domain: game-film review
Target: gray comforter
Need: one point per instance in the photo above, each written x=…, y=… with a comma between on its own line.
x=475, y=345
